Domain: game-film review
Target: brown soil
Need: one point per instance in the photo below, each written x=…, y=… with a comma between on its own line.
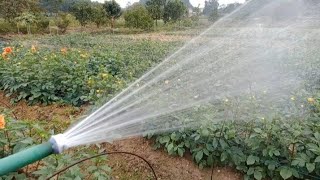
x=165, y=166
x=22, y=110
x=126, y=167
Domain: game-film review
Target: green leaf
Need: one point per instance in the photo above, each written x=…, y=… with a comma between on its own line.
x=170, y=148
x=317, y=159
x=286, y=173
x=199, y=156
x=271, y=167
x=180, y=152
x=276, y=152
x=210, y=160
x=224, y=156
x=257, y=130
x=250, y=160
x=311, y=167
x=250, y=171
x=317, y=136
x=205, y=132
x=257, y=175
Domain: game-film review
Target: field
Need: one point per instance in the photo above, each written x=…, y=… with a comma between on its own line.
x=41, y=115
x=49, y=81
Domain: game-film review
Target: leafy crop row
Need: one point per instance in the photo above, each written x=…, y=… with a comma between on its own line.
x=75, y=75
x=274, y=148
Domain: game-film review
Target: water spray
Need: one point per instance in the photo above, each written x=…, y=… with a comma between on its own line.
x=267, y=48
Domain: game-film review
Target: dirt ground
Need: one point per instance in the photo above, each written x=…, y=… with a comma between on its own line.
x=125, y=167
x=166, y=167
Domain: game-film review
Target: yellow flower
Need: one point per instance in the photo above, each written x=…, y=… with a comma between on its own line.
x=64, y=50
x=83, y=55
x=33, y=49
x=293, y=98
x=311, y=100
x=104, y=75
x=2, y=122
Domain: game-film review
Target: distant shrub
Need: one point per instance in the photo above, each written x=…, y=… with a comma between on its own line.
x=187, y=22
x=62, y=22
x=42, y=23
x=137, y=16
x=6, y=27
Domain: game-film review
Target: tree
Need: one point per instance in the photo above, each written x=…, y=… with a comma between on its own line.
x=51, y=6
x=211, y=9
x=98, y=14
x=82, y=11
x=113, y=10
x=174, y=10
x=196, y=13
x=62, y=22
x=137, y=16
x=229, y=8
x=156, y=9
x=10, y=9
x=26, y=19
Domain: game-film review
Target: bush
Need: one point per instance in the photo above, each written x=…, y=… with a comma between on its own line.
x=137, y=16
x=62, y=22
x=42, y=23
x=6, y=27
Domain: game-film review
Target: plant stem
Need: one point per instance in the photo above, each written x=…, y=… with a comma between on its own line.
x=8, y=139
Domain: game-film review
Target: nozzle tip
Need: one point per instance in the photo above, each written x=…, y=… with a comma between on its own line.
x=58, y=143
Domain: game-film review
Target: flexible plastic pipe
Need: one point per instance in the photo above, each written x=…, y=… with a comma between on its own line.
x=25, y=157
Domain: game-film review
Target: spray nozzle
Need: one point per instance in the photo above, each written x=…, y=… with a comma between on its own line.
x=58, y=143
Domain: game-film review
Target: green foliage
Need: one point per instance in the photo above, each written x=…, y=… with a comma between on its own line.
x=137, y=17
x=113, y=10
x=211, y=7
x=83, y=11
x=174, y=10
x=11, y=9
x=99, y=16
x=275, y=148
x=19, y=135
x=155, y=9
x=42, y=23
x=26, y=19
x=62, y=22
x=76, y=76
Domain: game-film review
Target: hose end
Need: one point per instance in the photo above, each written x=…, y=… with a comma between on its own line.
x=58, y=143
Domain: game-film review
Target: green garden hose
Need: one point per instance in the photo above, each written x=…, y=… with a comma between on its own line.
x=18, y=160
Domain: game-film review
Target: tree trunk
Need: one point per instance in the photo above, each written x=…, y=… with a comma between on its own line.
x=112, y=23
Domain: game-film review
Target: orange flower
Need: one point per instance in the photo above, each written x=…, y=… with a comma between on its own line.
x=64, y=50
x=33, y=49
x=2, y=122
x=7, y=50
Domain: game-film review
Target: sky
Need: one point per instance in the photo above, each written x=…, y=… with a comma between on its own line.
x=123, y=3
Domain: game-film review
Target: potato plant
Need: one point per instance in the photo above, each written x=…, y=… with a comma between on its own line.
x=77, y=75
x=276, y=148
